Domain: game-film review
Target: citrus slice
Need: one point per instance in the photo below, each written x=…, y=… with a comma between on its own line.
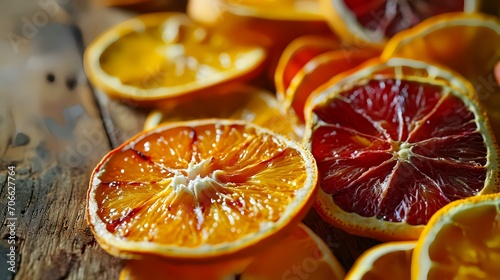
x=277, y=9
x=393, y=148
x=199, y=191
x=373, y=22
x=384, y=261
x=165, y=55
x=461, y=241
x=296, y=55
x=467, y=43
x=300, y=254
x=238, y=101
x=154, y=268
x=272, y=24
x=319, y=70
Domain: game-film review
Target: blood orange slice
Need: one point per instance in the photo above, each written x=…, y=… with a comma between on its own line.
x=372, y=22
x=393, y=148
x=199, y=191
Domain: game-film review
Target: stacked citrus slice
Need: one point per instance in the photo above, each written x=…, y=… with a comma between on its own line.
x=394, y=142
x=165, y=56
x=199, y=191
x=310, y=61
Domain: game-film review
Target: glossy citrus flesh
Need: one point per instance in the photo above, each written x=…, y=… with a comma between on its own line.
x=297, y=54
x=384, y=261
x=163, y=55
x=319, y=70
x=233, y=102
x=302, y=254
x=467, y=43
x=462, y=241
x=394, y=150
x=200, y=189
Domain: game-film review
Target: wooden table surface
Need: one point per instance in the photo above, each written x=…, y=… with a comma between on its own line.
x=54, y=128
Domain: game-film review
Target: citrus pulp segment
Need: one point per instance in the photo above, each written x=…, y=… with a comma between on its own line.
x=384, y=261
x=373, y=22
x=165, y=55
x=461, y=241
x=393, y=148
x=233, y=102
x=199, y=190
x=467, y=43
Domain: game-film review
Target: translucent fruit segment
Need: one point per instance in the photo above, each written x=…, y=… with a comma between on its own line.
x=398, y=150
x=189, y=186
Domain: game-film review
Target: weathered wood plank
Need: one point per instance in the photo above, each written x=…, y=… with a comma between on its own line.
x=52, y=133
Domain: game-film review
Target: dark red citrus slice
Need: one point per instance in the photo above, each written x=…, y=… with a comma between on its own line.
x=373, y=22
x=393, y=149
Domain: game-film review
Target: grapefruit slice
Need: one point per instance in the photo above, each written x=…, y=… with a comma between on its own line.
x=199, y=191
x=461, y=241
x=373, y=22
x=393, y=148
x=384, y=261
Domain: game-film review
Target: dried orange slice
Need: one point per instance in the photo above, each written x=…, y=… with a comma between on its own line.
x=384, y=261
x=199, y=191
x=467, y=43
x=301, y=254
x=372, y=22
x=319, y=70
x=461, y=241
x=394, y=142
x=239, y=101
x=277, y=9
x=164, y=56
x=296, y=55
x=154, y=268
x=272, y=24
